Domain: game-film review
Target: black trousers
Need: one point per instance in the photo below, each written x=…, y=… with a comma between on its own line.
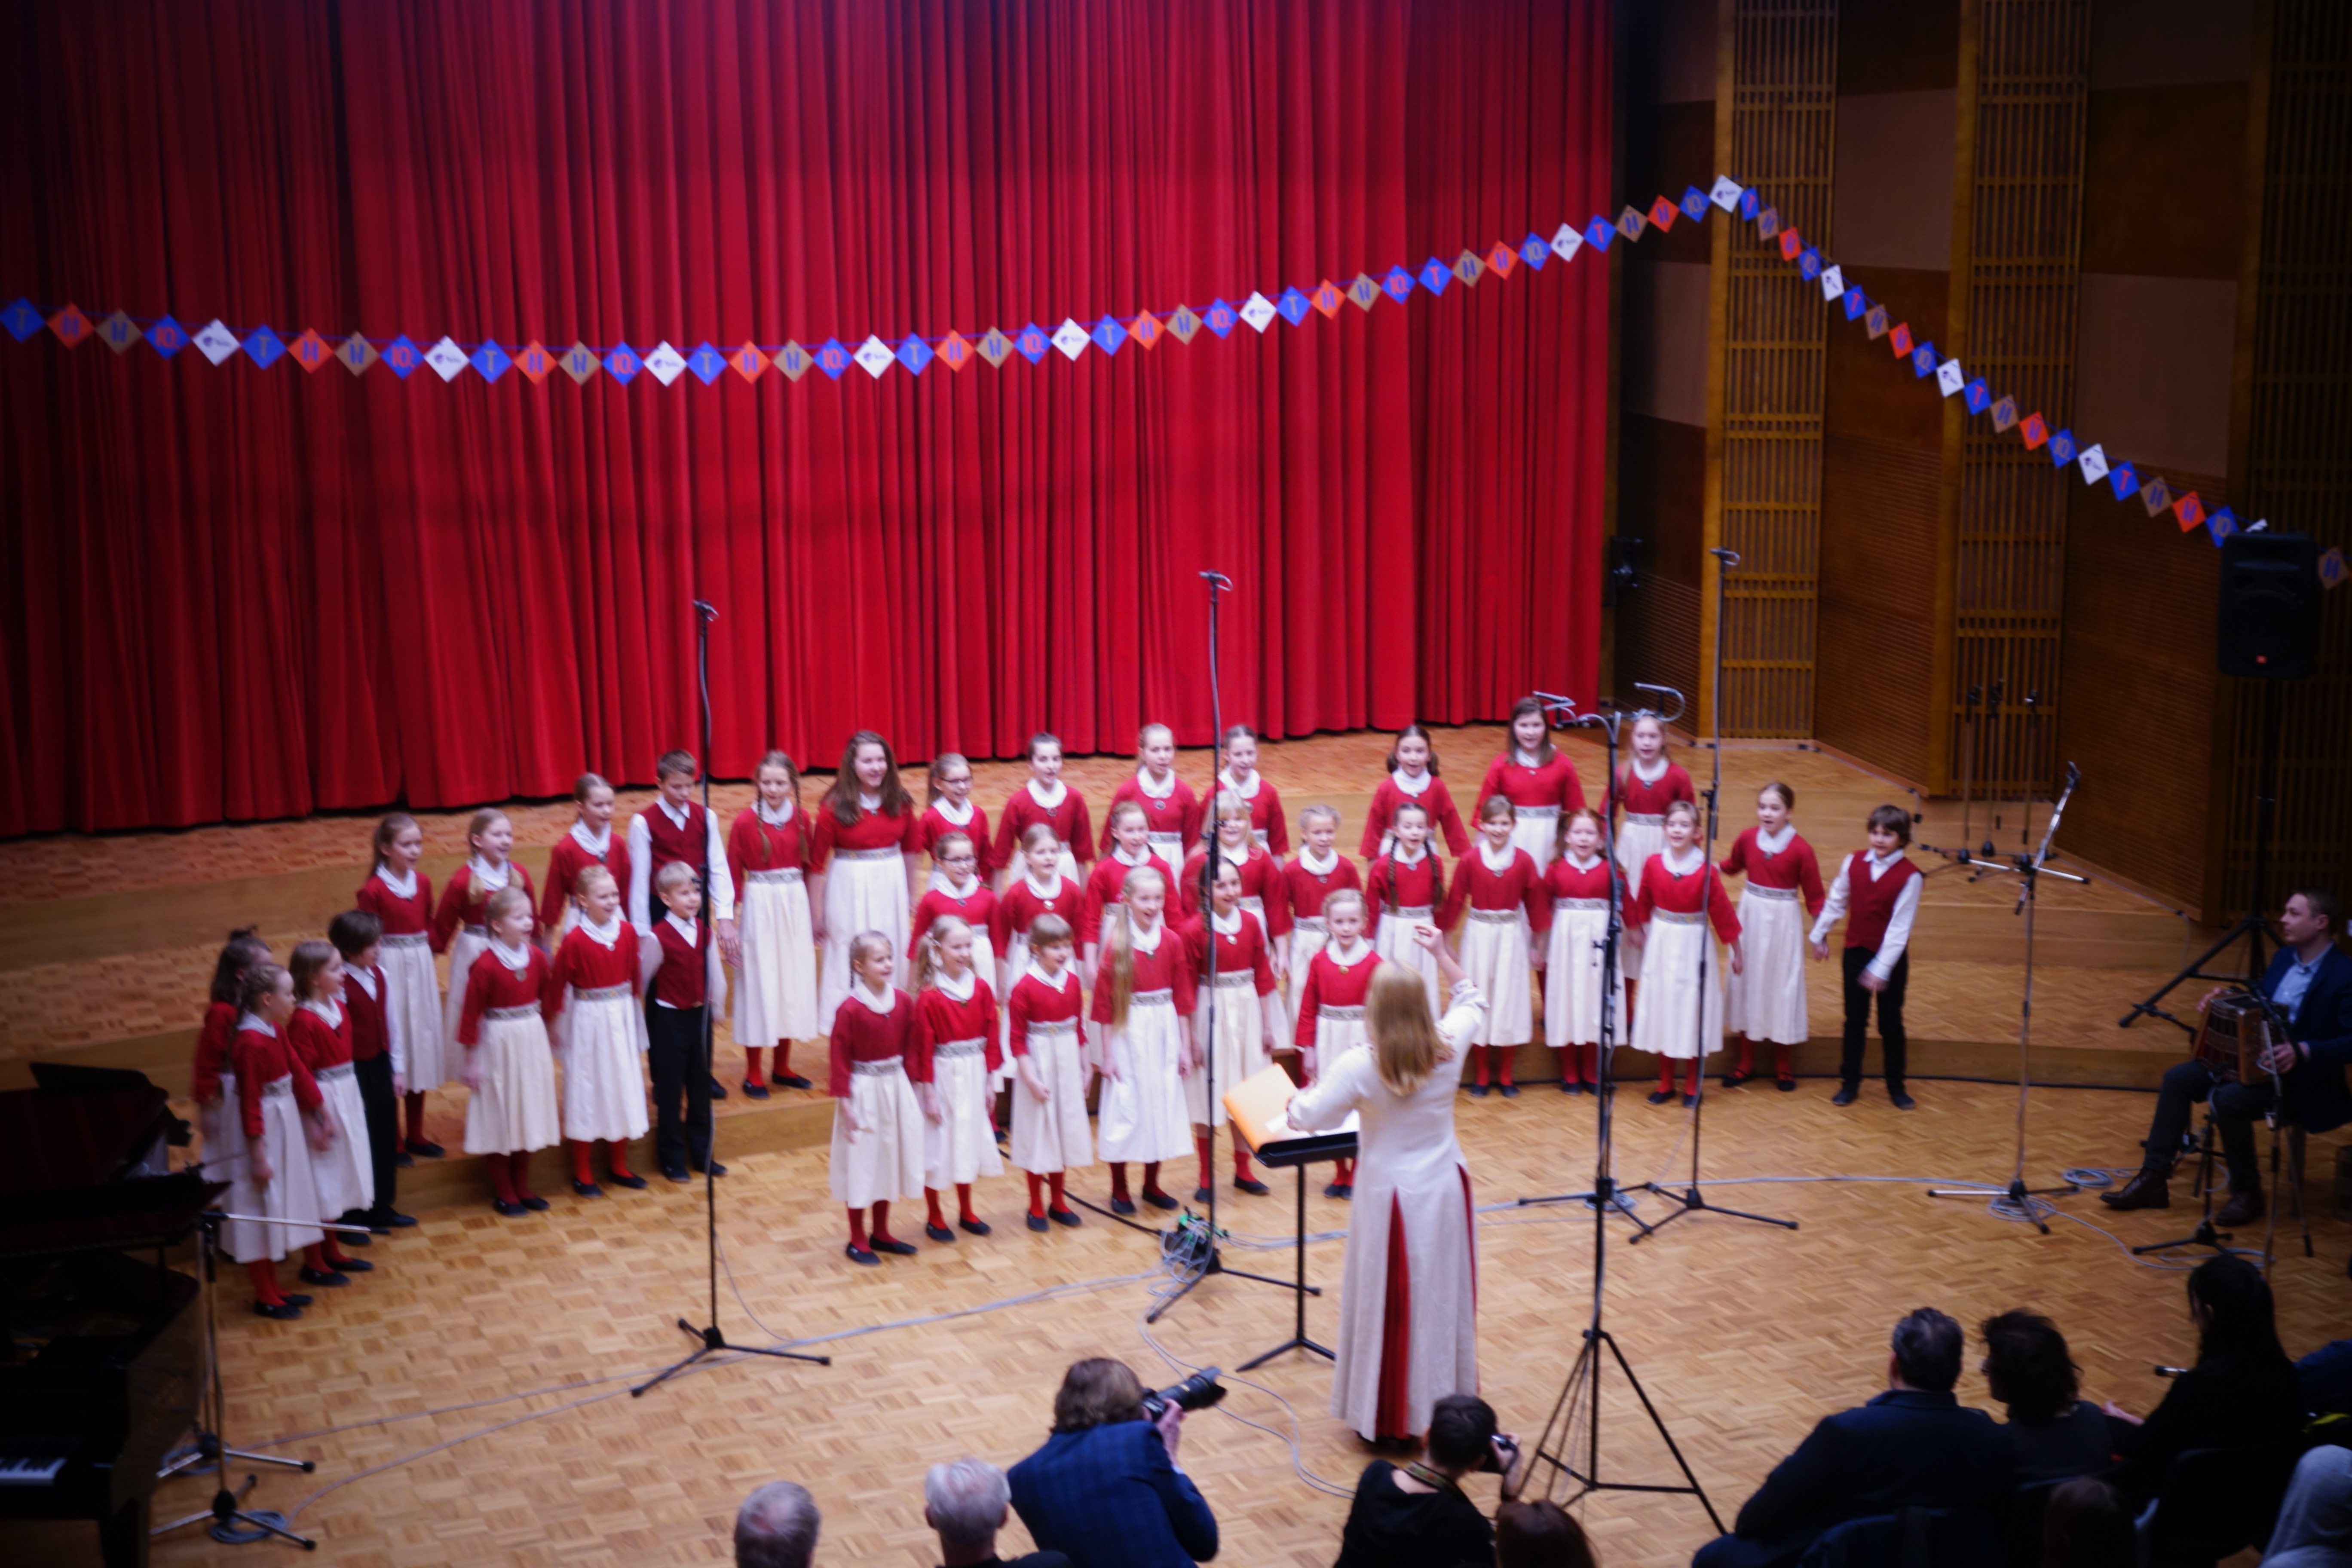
x=383, y=1107
x=1890, y=1017
x=681, y=1087
x=2236, y=1108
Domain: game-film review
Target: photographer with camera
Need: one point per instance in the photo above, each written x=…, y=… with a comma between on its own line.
x=1105, y=1489
x=1418, y=1516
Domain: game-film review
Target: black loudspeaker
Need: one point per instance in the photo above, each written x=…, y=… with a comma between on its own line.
x=2269, y=625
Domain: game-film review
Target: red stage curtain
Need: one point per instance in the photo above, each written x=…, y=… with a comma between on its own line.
x=239, y=593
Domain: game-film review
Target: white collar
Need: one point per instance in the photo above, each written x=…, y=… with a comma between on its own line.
x=1486, y=853
x=1877, y=864
x=959, y=989
x=1147, y=941
x=404, y=887
x=595, y=843
x=1225, y=927
x=868, y=802
x=1415, y=786
x=958, y=815
x=1306, y=858
x=680, y=818
x=492, y=877
x=1773, y=843
x=1044, y=895
x=970, y=886
x=1684, y=864
x=1144, y=783
x=1118, y=852
x=1054, y=982
x=1247, y=791
x=1524, y=758
x=690, y=930
x=258, y=1024
x=882, y=1004
x=605, y=935
x=1050, y=802
x=781, y=817
x=363, y=978
x=515, y=958
x=1397, y=856
x=1645, y=775
x=1580, y=862
x=1355, y=955
x=1241, y=857
x=331, y=1010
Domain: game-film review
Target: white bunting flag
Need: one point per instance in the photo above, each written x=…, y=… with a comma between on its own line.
x=665, y=363
x=1258, y=312
x=215, y=342
x=447, y=359
x=1567, y=242
x=2094, y=464
x=1951, y=378
x=1726, y=193
x=874, y=356
x=1832, y=283
x=1071, y=339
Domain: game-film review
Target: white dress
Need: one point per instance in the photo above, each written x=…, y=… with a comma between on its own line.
x=1141, y=1115
x=1638, y=839
x=1052, y=1136
x=1766, y=1001
x=884, y=1162
x=291, y=1193
x=1534, y=828
x=1242, y=1019
x=513, y=1111
x=1496, y=958
x=775, y=989
x=1170, y=847
x=1667, y=1019
x=343, y=1173
x=864, y=890
x=1572, y=974
x=600, y=1036
x=1412, y=1235
x=1393, y=940
x=411, y=1002
x=962, y=1145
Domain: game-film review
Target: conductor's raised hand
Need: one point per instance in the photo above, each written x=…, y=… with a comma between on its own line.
x=1426, y=936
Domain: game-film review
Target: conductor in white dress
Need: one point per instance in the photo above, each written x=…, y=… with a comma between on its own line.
x=1409, y=1302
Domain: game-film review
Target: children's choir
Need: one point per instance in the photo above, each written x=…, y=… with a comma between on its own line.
x=1092, y=969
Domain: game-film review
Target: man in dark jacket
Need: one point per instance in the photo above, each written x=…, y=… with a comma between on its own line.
x=1105, y=1489
x=1912, y=1446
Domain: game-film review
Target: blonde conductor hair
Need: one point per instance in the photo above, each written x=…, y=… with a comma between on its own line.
x=1119, y=939
x=1406, y=1046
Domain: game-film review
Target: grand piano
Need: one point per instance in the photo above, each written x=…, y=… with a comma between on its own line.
x=99, y=1366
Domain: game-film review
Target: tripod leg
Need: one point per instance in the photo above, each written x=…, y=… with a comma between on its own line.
x=1659, y=1422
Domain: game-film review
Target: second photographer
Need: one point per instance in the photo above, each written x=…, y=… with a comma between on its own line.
x=1418, y=1515
x=1105, y=1489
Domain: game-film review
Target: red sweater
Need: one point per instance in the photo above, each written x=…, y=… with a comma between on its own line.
x=1243, y=953
x=1303, y=891
x=752, y=844
x=934, y=826
x=260, y=1057
x=1261, y=880
x=1035, y=1002
x=490, y=984
x=588, y=964
x=1478, y=886
x=212, y=1043
x=945, y=1020
x=319, y=1044
x=411, y=916
x=1068, y=820
x=1177, y=812
x=1792, y=865
x=1662, y=890
x=872, y=830
x=1554, y=783
x=1636, y=796
x=1564, y=880
x=463, y=902
x=1265, y=813
x=862, y=1035
x=1443, y=818
x=564, y=864
x=1106, y=886
x=1330, y=983
x=1169, y=968
x=1393, y=885
x=977, y=908
x=1018, y=910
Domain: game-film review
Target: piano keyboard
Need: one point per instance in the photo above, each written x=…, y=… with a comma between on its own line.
x=30, y=1469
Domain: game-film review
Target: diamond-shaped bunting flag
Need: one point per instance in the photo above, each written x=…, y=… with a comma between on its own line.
x=2221, y=524
x=169, y=338
x=1749, y=203
x=1663, y=213
x=1397, y=284
x=1693, y=202
x=1292, y=306
x=216, y=343
x=535, y=363
x=1726, y=193
x=1258, y=312
x=1599, y=235
x=2156, y=496
x=1534, y=251
x=1977, y=395
x=832, y=358
x=356, y=353
x=263, y=347
x=707, y=363
x=580, y=363
x=1469, y=268
x=746, y=361
x=993, y=347
x=1809, y=263
x=794, y=360
x=954, y=352
x=1436, y=274
x=491, y=361
x=1856, y=302
x=1325, y=298
x=2331, y=568
x=1031, y=342
x=1791, y=242
x=2123, y=481
x=874, y=356
x=1109, y=335
x=446, y=358
x=1768, y=223
x=2036, y=430
x=1364, y=291
x=1923, y=361
x=1951, y=378
x=1874, y=320
x=2189, y=511
x=309, y=351
x=1183, y=323
x=1146, y=329
x=21, y=320
x=2061, y=449
x=71, y=327
x=623, y=364
x=915, y=353
x=1832, y=282
x=1219, y=318
x=664, y=363
x=2004, y=414
x=1501, y=259
x=1631, y=224
x=1565, y=242
x=1899, y=340
x=119, y=332
x=1071, y=339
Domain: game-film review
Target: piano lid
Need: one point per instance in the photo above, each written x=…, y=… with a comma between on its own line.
x=71, y=1168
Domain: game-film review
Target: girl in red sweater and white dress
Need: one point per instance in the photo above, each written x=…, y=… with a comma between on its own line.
x=1402, y=889
x=950, y=810
x=957, y=890
x=209, y=1082
x=510, y=1064
x=591, y=842
x=1500, y=886
x=400, y=896
x=276, y=1120
x=1046, y=801
x=597, y=1014
x=1578, y=884
x=1767, y=996
x=1139, y=1041
x=343, y=1173
x=1240, y=775
x=1126, y=846
x=1638, y=797
x=1172, y=813
x=1539, y=780
x=461, y=927
x=1262, y=881
x=1412, y=775
x=1050, y=1136
x=1680, y=1019
x=878, y=1057
x=775, y=988
x=1248, y=1020
x=1311, y=876
x=959, y=1017
x=863, y=862
x=1039, y=887
x=1331, y=999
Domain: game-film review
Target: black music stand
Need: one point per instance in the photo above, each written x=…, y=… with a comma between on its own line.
x=1298, y=1153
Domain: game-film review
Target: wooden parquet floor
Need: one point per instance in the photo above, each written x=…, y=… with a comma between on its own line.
x=435, y=1448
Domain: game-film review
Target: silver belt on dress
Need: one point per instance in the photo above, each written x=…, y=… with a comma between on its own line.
x=1676, y=916
x=1552, y=811
x=867, y=854
x=1758, y=891
x=1496, y=916
x=328, y=1074
x=1563, y=906
x=606, y=994
x=877, y=1069
x=1310, y=922
x=782, y=873
x=1054, y=1027
x=1234, y=979
x=1644, y=819
x=970, y=1047
x=482, y=932
x=1328, y=1013
x=1163, y=997
x=509, y=1015
x=277, y=1088
x=1414, y=911
x=408, y=939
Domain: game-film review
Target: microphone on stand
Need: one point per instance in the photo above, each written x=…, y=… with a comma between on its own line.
x=1729, y=557
x=706, y=609
x=1217, y=580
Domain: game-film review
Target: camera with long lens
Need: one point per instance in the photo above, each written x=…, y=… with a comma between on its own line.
x=1197, y=1392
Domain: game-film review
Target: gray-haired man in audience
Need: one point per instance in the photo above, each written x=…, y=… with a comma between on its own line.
x=967, y=1502
x=776, y=1528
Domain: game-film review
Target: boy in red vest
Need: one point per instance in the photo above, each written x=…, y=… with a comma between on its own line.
x=676, y=830
x=674, y=1005
x=1878, y=892
x=379, y=1061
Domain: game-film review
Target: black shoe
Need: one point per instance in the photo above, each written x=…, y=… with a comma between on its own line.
x=284, y=1311
x=325, y=1278
x=1250, y=1185
x=1201, y=1193
x=354, y=1266
x=1160, y=1200
x=1660, y=1096
x=715, y=1168
x=1846, y=1095
x=403, y=1160
x=1332, y=1189
x=586, y=1190
x=2145, y=1190
x=384, y=1222
x=296, y=1299
x=1737, y=1077
x=859, y=1256
x=358, y=1218
x=755, y=1090
x=535, y=1203
x=1689, y=1101
x=1509, y=1092
x=973, y=1226
x=897, y=1248
x=2244, y=1208
x=634, y=1181
x=354, y=1237
x=674, y=1172
x=1347, y=1190
x=937, y=1232
x=1786, y=1085
x=717, y=1089
x=426, y=1148
x=1070, y=1216
x=792, y=1080
x=1480, y=1090
x=506, y=1210
x=1900, y=1100
x=1037, y=1222
x=1122, y=1206
x=1569, y=1087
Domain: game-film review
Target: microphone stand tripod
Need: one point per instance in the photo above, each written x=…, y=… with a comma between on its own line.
x=2017, y=1201
x=713, y=1341
x=1212, y=1256
x=1691, y=1200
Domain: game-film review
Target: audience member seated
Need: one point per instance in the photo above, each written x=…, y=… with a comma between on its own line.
x=1418, y=1516
x=776, y=1528
x=1540, y=1535
x=2242, y=1393
x=1911, y=1447
x=2327, y=1377
x=2315, y=1523
x=2052, y=1435
x=967, y=1503
x=2088, y=1525
x=1105, y=1489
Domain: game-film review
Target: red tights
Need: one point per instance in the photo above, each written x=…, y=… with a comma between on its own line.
x=1588, y=1071
x=1240, y=1159
x=1038, y=1187
x=881, y=1232
x=1118, y=1180
x=1781, y=1064
x=1488, y=1059
x=1666, y=1076
x=963, y=1205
